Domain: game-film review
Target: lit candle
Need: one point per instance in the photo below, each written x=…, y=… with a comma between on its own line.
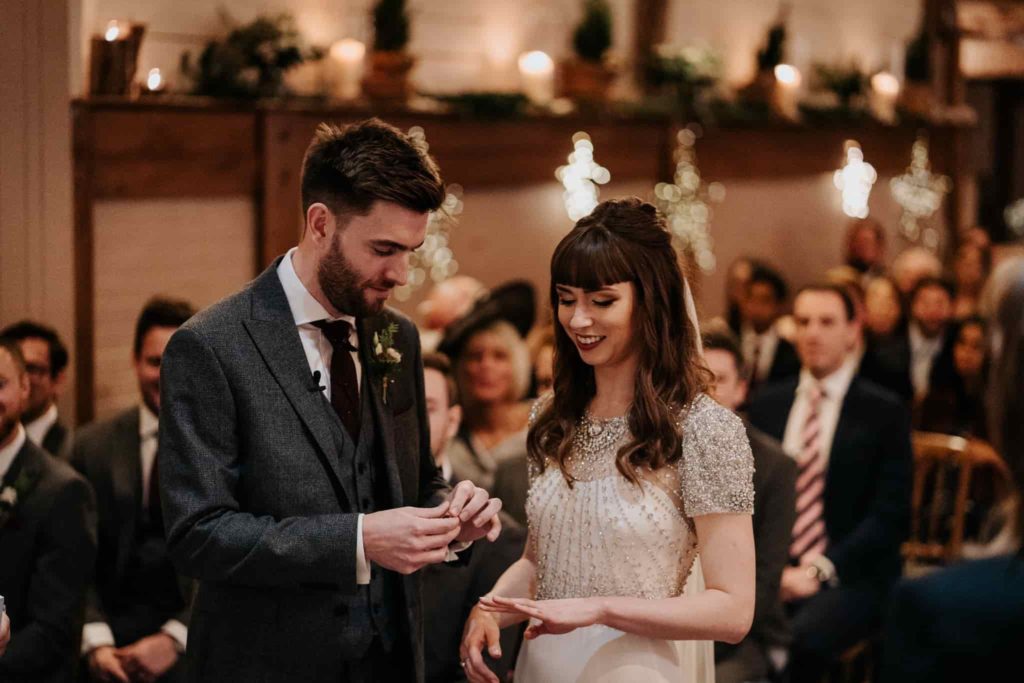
x=885, y=90
x=788, y=80
x=346, y=68
x=537, y=77
x=155, y=81
x=113, y=31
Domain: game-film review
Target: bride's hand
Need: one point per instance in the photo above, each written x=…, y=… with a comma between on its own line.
x=481, y=630
x=550, y=616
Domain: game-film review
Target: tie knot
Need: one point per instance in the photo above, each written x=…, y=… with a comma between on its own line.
x=816, y=392
x=338, y=332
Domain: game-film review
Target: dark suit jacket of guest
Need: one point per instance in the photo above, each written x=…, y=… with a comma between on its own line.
x=785, y=363
x=511, y=485
x=774, y=514
x=961, y=623
x=108, y=453
x=449, y=593
x=47, y=550
x=56, y=441
x=867, y=484
x=259, y=490
x=887, y=364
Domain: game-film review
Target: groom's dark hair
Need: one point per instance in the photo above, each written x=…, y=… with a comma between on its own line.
x=349, y=168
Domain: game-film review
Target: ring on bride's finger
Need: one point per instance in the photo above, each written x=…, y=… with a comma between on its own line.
x=464, y=662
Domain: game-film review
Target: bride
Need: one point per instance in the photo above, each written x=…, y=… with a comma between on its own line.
x=634, y=472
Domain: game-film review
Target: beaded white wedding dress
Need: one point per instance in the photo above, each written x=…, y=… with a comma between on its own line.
x=604, y=536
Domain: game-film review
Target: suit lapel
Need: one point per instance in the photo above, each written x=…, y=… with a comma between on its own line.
x=126, y=481
x=381, y=412
x=275, y=335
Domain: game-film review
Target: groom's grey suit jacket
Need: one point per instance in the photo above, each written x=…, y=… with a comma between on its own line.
x=259, y=485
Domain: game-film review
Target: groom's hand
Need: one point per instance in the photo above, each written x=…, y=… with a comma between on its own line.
x=406, y=539
x=476, y=511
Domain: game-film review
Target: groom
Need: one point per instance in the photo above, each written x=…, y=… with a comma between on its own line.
x=295, y=469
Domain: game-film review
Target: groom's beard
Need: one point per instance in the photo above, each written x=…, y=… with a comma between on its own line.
x=340, y=283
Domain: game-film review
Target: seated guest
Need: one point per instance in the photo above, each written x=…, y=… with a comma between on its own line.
x=47, y=359
x=875, y=360
x=137, y=613
x=492, y=370
x=851, y=442
x=446, y=302
x=966, y=622
x=911, y=265
x=450, y=592
x=955, y=403
x=768, y=355
x=774, y=513
x=970, y=272
x=865, y=246
x=883, y=309
x=927, y=341
x=736, y=280
x=47, y=542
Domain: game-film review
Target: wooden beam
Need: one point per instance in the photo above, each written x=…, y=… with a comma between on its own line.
x=649, y=31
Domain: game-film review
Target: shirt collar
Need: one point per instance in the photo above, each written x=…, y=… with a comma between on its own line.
x=37, y=429
x=10, y=451
x=149, y=424
x=920, y=343
x=835, y=385
x=306, y=310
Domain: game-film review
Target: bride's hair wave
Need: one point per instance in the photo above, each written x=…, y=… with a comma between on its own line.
x=624, y=240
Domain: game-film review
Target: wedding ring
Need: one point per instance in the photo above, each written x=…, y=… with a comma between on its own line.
x=463, y=663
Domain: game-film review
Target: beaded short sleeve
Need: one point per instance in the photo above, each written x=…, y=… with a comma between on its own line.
x=717, y=467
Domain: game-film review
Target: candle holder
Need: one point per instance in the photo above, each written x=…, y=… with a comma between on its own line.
x=113, y=58
x=154, y=85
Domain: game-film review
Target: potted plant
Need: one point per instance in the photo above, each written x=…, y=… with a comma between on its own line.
x=916, y=93
x=587, y=76
x=388, y=75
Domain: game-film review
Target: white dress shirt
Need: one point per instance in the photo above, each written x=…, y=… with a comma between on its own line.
x=37, y=428
x=762, y=346
x=834, y=388
x=10, y=451
x=98, y=633
x=922, y=356
x=306, y=311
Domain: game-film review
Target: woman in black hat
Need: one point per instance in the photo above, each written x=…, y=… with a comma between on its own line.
x=492, y=369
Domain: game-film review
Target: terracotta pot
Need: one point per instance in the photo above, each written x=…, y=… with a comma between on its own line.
x=586, y=80
x=388, y=76
x=917, y=98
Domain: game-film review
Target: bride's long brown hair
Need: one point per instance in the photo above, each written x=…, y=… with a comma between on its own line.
x=624, y=240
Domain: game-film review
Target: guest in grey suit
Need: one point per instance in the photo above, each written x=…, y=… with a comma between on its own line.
x=774, y=514
x=295, y=468
x=47, y=542
x=137, y=611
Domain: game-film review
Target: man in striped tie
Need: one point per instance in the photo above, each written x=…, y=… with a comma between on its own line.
x=851, y=441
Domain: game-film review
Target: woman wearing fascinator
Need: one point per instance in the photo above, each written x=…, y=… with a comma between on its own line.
x=640, y=549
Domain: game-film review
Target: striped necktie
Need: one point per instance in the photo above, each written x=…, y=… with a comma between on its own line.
x=809, y=536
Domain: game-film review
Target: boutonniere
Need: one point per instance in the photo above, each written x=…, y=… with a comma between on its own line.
x=12, y=493
x=386, y=359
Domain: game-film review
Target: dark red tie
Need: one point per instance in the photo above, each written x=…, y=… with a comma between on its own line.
x=344, y=385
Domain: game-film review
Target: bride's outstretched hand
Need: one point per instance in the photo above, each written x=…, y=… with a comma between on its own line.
x=549, y=616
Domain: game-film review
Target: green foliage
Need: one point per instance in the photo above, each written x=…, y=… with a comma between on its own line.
x=917, y=67
x=772, y=53
x=593, y=36
x=390, y=26
x=486, y=105
x=250, y=61
x=845, y=81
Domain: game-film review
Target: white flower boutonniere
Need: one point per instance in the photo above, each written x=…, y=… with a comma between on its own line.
x=9, y=496
x=386, y=359
x=12, y=493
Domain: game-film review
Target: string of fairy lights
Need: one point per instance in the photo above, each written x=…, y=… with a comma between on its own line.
x=687, y=202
